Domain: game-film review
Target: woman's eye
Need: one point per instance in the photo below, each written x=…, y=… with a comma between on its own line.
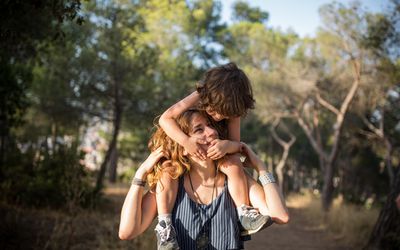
x=198, y=130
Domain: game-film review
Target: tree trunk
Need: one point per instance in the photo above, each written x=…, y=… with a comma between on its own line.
x=102, y=172
x=2, y=142
x=327, y=188
x=386, y=232
x=111, y=148
x=297, y=180
x=112, y=174
x=388, y=160
x=281, y=165
x=286, y=148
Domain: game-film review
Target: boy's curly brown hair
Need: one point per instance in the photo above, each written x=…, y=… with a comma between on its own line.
x=226, y=90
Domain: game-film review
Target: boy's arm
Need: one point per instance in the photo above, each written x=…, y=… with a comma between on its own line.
x=171, y=128
x=234, y=129
x=219, y=148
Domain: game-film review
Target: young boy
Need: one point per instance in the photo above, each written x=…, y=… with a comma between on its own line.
x=225, y=94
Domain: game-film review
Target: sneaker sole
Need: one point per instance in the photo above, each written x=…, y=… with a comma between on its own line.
x=267, y=223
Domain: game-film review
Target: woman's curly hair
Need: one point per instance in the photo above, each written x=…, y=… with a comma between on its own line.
x=175, y=163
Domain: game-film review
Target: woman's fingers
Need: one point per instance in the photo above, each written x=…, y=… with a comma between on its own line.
x=199, y=155
x=203, y=154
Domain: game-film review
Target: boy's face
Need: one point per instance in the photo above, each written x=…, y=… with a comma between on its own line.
x=215, y=115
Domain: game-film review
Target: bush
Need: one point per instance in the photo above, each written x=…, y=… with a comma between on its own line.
x=44, y=178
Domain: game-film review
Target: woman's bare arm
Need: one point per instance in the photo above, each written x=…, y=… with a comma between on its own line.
x=137, y=213
x=139, y=210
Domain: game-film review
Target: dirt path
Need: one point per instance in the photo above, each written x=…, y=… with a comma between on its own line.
x=299, y=234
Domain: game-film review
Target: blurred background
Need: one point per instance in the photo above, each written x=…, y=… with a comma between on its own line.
x=82, y=83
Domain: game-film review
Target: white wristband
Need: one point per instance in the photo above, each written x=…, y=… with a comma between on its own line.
x=266, y=179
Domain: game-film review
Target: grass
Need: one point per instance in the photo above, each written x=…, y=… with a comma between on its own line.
x=28, y=228
x=350, y=223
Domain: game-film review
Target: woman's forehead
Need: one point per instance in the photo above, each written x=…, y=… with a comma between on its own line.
x=197, y=119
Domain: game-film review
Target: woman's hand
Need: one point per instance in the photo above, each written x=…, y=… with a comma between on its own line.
x=192, y=146
x=252, y=159
x=148, y=165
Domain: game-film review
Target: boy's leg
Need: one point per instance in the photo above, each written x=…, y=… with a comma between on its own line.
x=166, y=191
x=250, y=219
x=232, y=167
x=257, y=200
x=257, y=196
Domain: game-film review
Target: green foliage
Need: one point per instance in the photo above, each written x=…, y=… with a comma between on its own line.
x=26, y=24
x=243, y=12
x=55, y=178
x=146, y=55
x=25, y=28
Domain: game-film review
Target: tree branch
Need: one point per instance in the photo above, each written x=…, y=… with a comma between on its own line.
x=326, y=104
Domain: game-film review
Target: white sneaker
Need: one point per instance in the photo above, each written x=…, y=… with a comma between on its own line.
x=166, y=236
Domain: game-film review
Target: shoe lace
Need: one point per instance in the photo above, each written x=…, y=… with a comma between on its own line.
x=164, y=234
x=250, y=212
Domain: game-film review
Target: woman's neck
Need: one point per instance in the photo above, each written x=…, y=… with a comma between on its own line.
x=204, y=170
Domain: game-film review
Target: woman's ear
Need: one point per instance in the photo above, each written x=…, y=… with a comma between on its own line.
x=185, y=153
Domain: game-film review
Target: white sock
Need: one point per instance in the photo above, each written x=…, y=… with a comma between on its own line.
x=165, y=217
x=240, y=210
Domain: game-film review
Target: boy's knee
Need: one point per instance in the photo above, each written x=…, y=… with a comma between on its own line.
x=231, y=170
x=232, y=160
x=166, y=183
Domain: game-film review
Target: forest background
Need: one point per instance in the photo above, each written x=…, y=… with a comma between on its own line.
x=82, y=83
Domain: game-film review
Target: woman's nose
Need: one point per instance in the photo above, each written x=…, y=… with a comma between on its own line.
x=210, y=131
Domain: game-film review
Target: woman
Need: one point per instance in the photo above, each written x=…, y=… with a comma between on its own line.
x=204, y=214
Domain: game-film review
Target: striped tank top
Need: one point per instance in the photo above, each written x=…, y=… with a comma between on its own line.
x=212, y=226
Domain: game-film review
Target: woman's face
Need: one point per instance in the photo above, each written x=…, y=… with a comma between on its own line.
x=202, y=129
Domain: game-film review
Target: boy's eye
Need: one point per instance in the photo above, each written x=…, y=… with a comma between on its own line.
x=198, y=130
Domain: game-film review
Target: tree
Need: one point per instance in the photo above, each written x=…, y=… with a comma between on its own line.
x=20, y=39
x=386, y=232
x=243, y=12
x=286, y=148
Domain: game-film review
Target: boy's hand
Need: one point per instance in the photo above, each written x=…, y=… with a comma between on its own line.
x=148, y=165
x=252, y=160
x=193, y=148
x=218, y=148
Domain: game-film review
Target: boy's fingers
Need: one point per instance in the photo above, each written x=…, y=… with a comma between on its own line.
x=211, y=152
x=213, y=142
x=213, y=155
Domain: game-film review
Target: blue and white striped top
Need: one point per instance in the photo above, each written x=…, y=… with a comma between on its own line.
x=218, y=220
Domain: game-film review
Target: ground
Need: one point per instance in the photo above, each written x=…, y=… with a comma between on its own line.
x=23, y=228
x=299, y=234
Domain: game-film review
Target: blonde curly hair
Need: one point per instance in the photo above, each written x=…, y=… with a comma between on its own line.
x=175, y=163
